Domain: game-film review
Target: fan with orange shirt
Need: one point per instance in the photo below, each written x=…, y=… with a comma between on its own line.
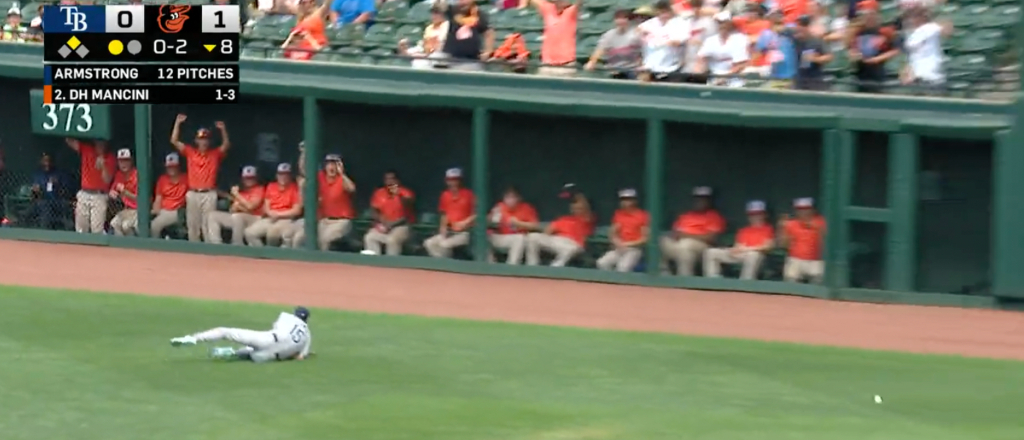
x=309, y=35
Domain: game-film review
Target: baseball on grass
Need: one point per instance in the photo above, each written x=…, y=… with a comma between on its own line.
x=878, y=399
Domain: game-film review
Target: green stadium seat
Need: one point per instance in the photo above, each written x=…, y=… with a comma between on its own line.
x=1002, y=17
x=258, y=49
x=392, y=12
x=347, y=35
x=412, y=32
x=527, y=20
x=980, y=41
x=346, y=55
x=418, y=13
x=380, y=35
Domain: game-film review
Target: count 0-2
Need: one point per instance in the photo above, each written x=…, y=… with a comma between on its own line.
x=177, y=46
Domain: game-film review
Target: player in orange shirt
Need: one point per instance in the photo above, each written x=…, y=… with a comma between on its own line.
x=692, y=233
x=751, y=244
x=511, y=219
x=125, y=188
x=246, y=208
x=393, y=207
x=565, y=237
x=203, y=164
x=97, y=171
x=803, y=236
x=169, y=196
x=458, y=211
x=628, y=234
x=335, y=212
x=282, y=204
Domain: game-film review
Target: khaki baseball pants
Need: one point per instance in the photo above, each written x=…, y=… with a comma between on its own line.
x=441, y=246
x=161, y=221
x=564, y=248
x=90, y=211
x=125, y=222
x=621, y=260
x=685, y=252
x=714, y=257
x=198, y=206
x=512, y=244
x=392, y=240
x=328, y=230
x=218, y=221
x=272, y=230
x=796, y=270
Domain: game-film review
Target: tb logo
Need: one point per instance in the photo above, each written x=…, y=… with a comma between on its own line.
x=74, y=18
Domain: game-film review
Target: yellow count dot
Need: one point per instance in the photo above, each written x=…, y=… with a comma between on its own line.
x=115, y=47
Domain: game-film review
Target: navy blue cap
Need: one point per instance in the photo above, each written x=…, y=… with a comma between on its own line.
x=302, y=313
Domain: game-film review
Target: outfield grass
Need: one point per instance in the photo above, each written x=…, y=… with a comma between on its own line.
x=93, y=366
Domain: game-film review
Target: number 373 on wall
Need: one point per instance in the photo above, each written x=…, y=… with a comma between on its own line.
x=77, y=116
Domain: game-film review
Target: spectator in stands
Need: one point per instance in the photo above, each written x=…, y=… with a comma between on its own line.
x=725, y=54
x=749, y=249
x=352, y=11
x=14, y=30
x=393, y=210
x=838, y=24
x=924, y=49
x=514, y=52
x=663, y=37
x=619, y=47
x=510, y=220
x=125, y=189
x=701, y=24
x=752, y=24
x=792, y=9
x=558, y=50
x=470, y=38
x=871, y=47
x=629, y=233
x=692, y=233
x=458, y=212
x=35, y=27
x=803, y=236
x=566, y=237
x=430, y=46
x=813, y=54
x=306, y=39
x=51, y=194
x=776, y=46
x=169, y=196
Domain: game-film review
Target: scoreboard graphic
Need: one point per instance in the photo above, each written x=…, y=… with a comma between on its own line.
x=141, y=54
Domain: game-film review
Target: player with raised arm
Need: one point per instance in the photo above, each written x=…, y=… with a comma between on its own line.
x=288, y=339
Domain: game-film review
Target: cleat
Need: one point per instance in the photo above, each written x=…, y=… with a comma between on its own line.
x=184, y=340
x=222, y=352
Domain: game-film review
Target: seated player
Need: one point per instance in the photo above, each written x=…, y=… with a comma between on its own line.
x=288, y=338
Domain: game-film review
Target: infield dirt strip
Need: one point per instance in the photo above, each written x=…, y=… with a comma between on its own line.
x=980, y=333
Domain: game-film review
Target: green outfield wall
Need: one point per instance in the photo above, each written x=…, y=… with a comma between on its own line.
x=923, y=196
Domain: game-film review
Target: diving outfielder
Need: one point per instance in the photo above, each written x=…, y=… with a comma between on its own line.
x=288, y=339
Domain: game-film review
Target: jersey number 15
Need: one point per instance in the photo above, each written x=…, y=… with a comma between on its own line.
x=298, y=333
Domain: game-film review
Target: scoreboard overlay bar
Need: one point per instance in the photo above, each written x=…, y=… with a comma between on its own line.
x=135, y=53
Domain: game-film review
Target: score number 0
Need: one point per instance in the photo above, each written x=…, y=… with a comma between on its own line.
x=178, y=46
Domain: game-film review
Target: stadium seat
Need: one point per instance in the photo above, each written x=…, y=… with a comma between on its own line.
x=392, y=12
x=380, y=35
x=418, y=13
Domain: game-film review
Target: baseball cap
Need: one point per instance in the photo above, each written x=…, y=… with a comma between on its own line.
x=453, y=173
x=302, y=313
x=332, y=158
x=284, y=167
x=124, y=153
x=202, y=133
x=803, y=203
x=702, y=191
x=755, y=206
x=249, y=171
x=627, y=193
x=723, y=16
x=172, y=159
x=14, y=11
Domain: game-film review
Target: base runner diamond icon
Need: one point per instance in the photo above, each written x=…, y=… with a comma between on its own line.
x=82, y=51
x=64, y=51
x=73, y=42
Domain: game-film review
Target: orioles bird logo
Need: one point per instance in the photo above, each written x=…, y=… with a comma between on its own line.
x=172, y=18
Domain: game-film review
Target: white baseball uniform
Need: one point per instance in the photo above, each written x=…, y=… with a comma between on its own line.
x=288, y=337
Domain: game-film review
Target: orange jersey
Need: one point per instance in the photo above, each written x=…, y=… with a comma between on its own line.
x=282, y=199
x=755, y=236
x=630, y=223
x=792, y=9
x=390, y=206
x=253, y=194
x=202, y=167
x=805, y=241
x=700, y=223
x=172, y=193
x=130, y=182
x=524, y=212
x=334, y=200
x=573, y=226
x=457, y=207
x=753, y=29
x=92, y=176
